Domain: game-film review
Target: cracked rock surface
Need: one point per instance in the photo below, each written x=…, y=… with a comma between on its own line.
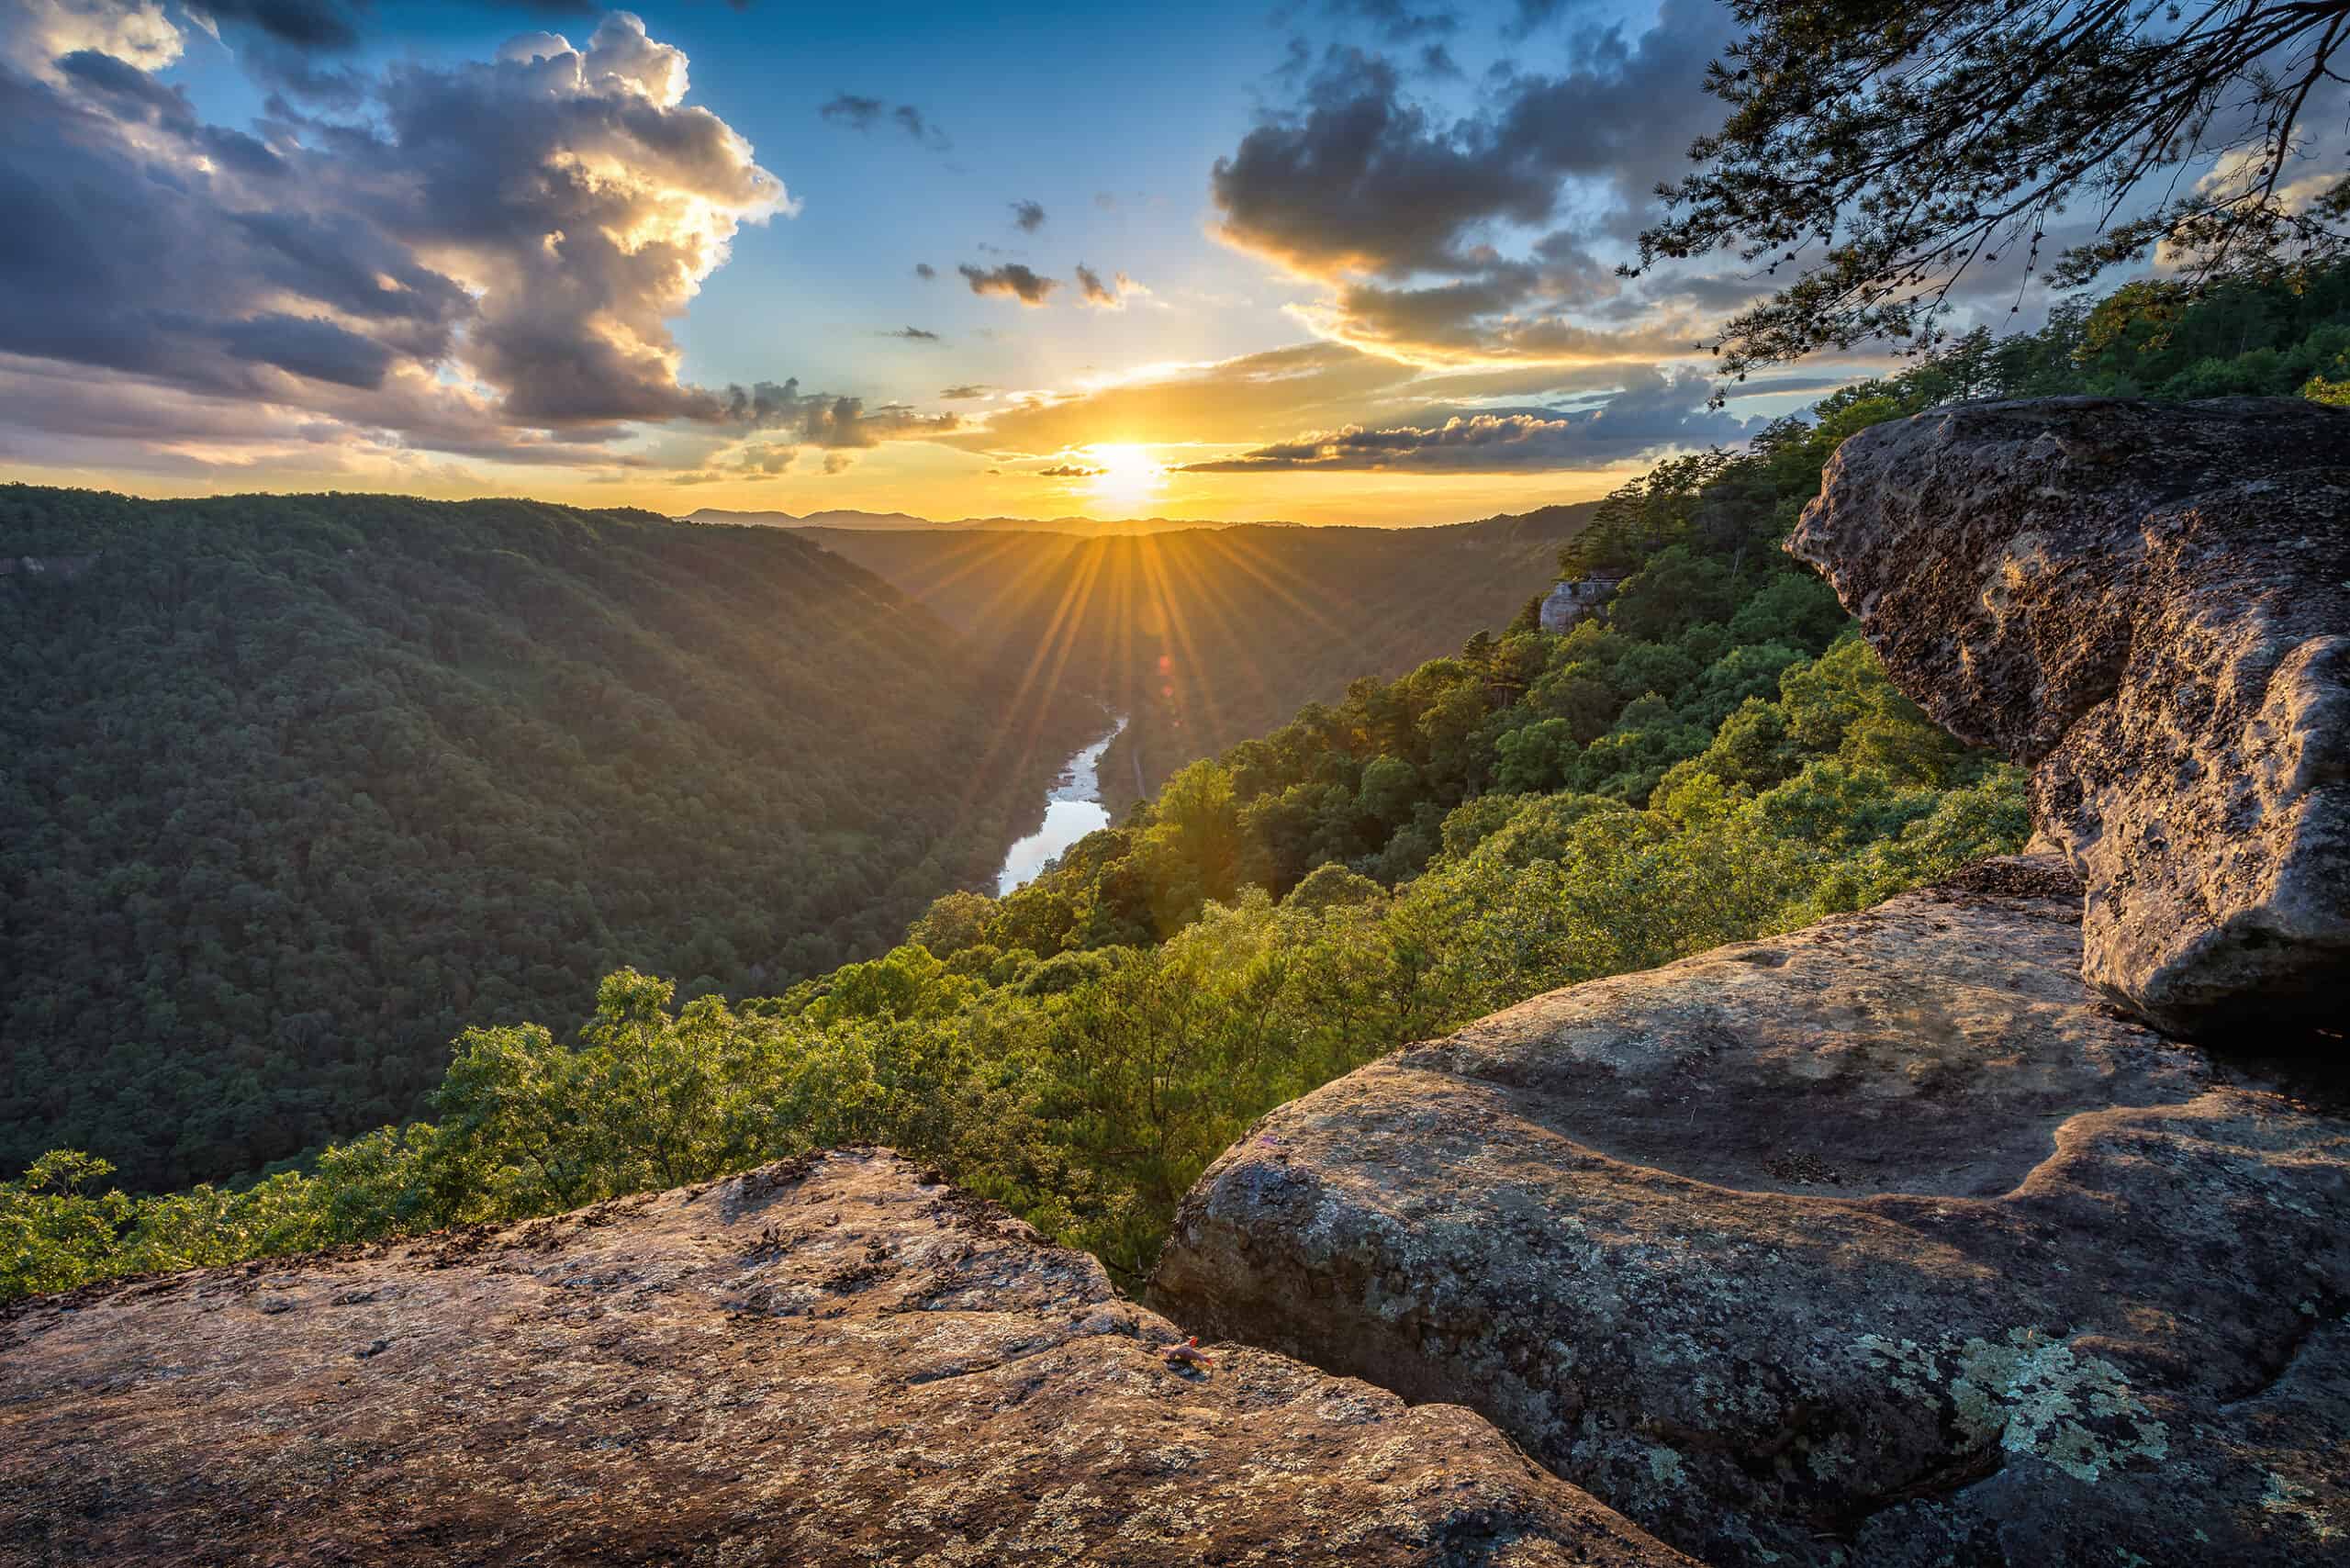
x=1882, y=1243
x=2149, y=605
x=837, y=1361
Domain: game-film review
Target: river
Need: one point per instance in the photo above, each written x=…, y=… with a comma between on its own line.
x=1072, y=809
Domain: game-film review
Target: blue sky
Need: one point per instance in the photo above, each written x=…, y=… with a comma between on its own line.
x=1350, y=261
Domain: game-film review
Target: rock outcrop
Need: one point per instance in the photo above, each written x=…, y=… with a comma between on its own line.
x=2150, y=606
x=836, y=1361
x=1884, y=1243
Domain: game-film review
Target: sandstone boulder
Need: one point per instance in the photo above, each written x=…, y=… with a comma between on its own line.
x=1884, y=1243
x=836, y=1361
x=2150, y=605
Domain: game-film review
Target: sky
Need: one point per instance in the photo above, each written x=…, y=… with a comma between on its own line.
x=1328, y=260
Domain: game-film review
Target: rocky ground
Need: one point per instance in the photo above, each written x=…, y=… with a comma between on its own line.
x=1886, y=1242
x=839, y=1361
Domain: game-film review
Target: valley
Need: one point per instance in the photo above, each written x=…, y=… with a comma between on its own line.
x=1205, y=636
x=296, y=787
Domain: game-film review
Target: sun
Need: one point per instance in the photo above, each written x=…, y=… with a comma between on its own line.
x=1125, y=475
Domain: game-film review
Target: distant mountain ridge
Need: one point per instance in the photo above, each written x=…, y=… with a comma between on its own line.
x=900, y=523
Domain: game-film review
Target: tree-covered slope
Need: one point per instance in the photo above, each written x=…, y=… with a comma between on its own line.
x=294, y=789
x=1718, y=757
x=1207, y=636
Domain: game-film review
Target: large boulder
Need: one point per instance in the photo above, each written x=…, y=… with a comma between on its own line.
x=2150, y=606
x=836, y=1361
x=1884, y=1243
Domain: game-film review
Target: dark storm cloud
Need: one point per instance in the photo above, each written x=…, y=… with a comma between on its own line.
x=1653, y=413
x=1027, y=216
x=860, y=113
x=1010, y=278
x=962, y=390
x=925, y=272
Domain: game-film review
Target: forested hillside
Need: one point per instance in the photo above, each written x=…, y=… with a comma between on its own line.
x=1720, y=757
x=1207, y=636
x=292, y=790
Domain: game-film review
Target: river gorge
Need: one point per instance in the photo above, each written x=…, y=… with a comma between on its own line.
x=1072, y=809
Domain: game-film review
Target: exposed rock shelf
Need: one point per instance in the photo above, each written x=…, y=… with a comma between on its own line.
x=1885, y=1242
x=2150, y=606
x=838, y=1362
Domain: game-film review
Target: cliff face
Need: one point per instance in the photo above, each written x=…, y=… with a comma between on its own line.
x=1881, y=1243
x=836, y=1361
x=2150, y=606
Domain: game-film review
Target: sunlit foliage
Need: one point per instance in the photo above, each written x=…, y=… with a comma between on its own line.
x=1719, y=759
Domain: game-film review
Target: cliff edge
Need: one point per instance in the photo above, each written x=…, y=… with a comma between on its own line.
x=1885, y=1242
x=839, y=1361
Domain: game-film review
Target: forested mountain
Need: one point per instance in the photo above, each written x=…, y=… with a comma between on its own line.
x=1720, y=756
x=1207, y=636
x=294, y=789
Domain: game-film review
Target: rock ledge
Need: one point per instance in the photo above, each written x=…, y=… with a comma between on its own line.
x=1885, y=1242
x=832, y=1361
x=2149, y=605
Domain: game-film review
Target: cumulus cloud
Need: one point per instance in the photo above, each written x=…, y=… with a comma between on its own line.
x=1458, y=237
x=1653, y=414
x=860, y=113
x=914, y=335
x=487, y=264
x=963, y=390
x=925, y=272
x=1027, y=216
x=1010, y=278
x=36, y=34
x=1069, y=471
